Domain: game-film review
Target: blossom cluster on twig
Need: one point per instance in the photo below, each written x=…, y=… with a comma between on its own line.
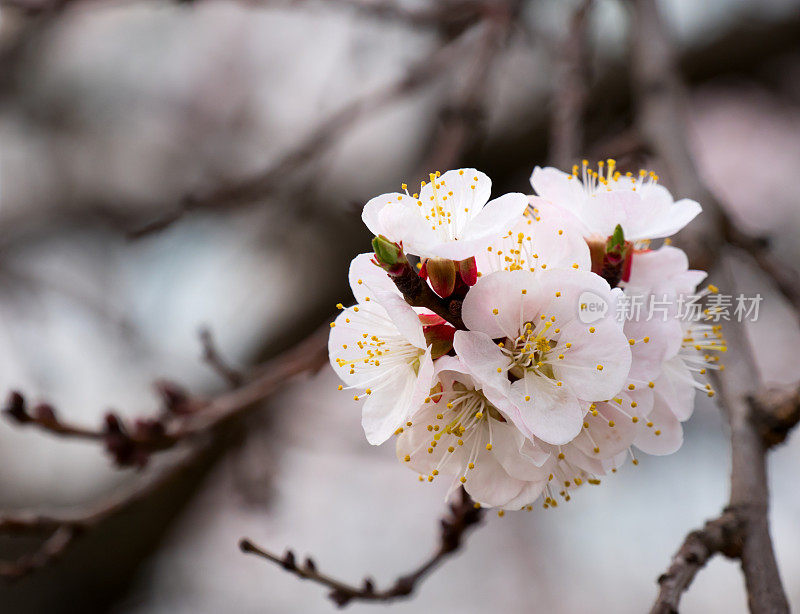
x=496, y=359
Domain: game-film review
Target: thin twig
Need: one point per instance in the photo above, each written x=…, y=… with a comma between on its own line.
x=721, y=535
x=463, y=515
x=184, y=417
x=316, y=144
x=212, y=357
x=60, y=532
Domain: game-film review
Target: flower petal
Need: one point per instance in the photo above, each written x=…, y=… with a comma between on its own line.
x=550, y=412
x=489, y=484
x=366, y=278
x=399, y=397
x=678, y=216
x=496, y=217
x=666, y=434
x=501, y=292
x=556, y=187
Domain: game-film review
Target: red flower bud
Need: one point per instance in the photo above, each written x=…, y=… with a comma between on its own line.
x=440, y=338
x=442, y=275
x=468, y=270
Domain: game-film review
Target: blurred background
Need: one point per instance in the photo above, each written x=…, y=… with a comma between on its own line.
x=166, y=166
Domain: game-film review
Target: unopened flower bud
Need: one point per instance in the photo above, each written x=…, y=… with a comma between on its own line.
x=442, y=275
x=388, y=255
x=468, y=270
x=15, y=407
x=440, y=338
x=612, y=259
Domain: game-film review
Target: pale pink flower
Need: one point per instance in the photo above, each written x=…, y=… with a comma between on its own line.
x=601, y=199
x=451, y=217
x=543, y=238
x=378, y=348
x=548, y=360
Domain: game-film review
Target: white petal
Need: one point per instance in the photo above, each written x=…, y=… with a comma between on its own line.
x=550, y=412
x=529, y=493
x=489, y=484
x=403, y=316
x=676, y=388
x=371, y=319
x=366, y=278
x=483, y=358
x=555, y=186
x=597, y=364
x=664, y=341
x=465, y=196
x=496, y=217
x=604, y=210
x=388, y=408
x=607, y=440
x=679, y=215
x=502, y=291
x=669, y=429
x=507, y=443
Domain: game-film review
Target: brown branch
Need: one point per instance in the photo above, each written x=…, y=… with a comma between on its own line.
x=212, y=358
x=775, y=412
x=721, y=535
x=661, y=120
x=315, y=145
x=661, y=96
x=463, y=515
x=60, y=532
x=184, y=417
x=419, y=294
x=461, y=119
x=571, y=91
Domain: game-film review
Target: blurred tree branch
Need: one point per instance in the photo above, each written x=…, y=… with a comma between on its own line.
x=463, y=515
x=661, y=120
x=571, y=90
x=193, y=421
x=450, y=143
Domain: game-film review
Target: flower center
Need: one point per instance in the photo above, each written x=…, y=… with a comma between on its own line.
x=609, y=178
x=530, y=350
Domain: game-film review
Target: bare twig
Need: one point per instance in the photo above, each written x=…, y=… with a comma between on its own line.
x=570, y=91
x=463, y=515
x=662, y=122
x=462, y=118
x=419, y=294
x=721, y=535
x=213, y=358
x=60, y=532
x=184, y=417
x=317, y=143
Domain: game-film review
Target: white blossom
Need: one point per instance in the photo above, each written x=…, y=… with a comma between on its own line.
x=554, y=359
x=543, y=238
x=378, y=348
x=600, y=199
x=451, y=216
